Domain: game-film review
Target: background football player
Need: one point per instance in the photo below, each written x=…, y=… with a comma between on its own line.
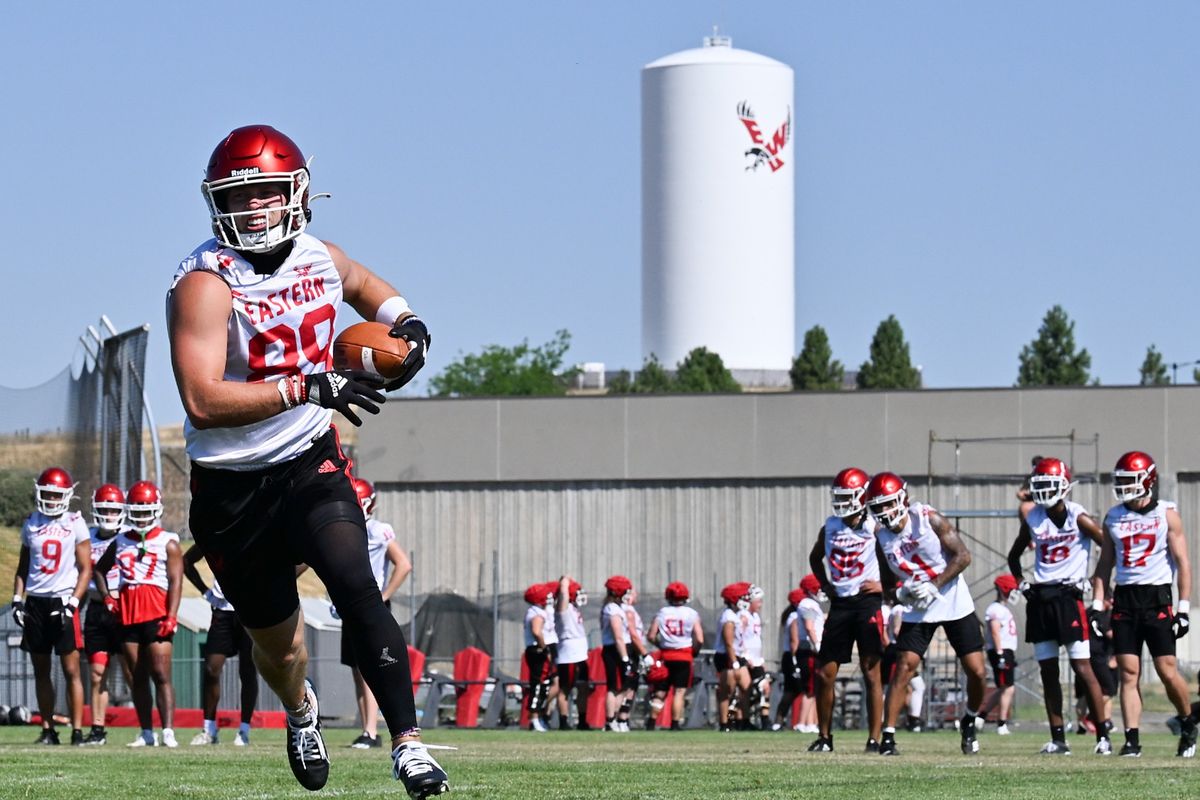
x=572, y=652
x=539, y=651
x=759, y=695
x=639, y=651
x=619, y=669
x=102, y=632
x=1000, y=641
x=677, y=630
x=733, y=678
x=810, y=634
x=789, y=640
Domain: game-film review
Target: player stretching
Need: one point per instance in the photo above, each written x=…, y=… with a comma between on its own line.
x=1061, y=534
x=251, y=315
x=847, y=543
x=925, y=549
x=1143, y=537
x=102, y=632
x=677, y=630
x=572, y=652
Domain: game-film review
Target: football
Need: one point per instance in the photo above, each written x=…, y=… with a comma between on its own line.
x=368, y=346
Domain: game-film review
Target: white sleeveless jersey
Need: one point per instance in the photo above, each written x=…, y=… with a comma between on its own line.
x=532, y=613
x=51, y=542
x=675, y=625
x=785, y=631
x=915, y=554
x=99, y=548
x=144, y=566
x=1001, y=613
x=751, y=642
x=728, y=615
x=216, y=597
x=607, y=613
x=631, y=613
x=1060, y=554
x=379, y=536
x=1140, y=541
x=810, y=610
x=549, y=629
x=279, y=324
x=850, y=554
x=572, y=638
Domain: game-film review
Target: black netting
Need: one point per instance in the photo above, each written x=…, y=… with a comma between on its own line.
x=123, y=370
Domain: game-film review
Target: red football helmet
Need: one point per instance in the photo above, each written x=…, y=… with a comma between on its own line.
x=576, y=594
x=810, y=585
x=256, y=155
x=847, y=491
x=53, y=490
x=108, y=507
x=1050, y=481
x=618, y=585
x=795, y=596
x=737, y=594
x=1134, y=476
x=143, y=506
x=677, y=592
x=541, y=594
x=366, y=496
x=887, y=498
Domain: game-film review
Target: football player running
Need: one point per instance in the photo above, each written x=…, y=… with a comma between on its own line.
x=1000, y=641
x=1060, y=533
x=677, y=630
x=847, y=544
x=53, y=570
x=572, y=652
x=1144, y=540
x=733, y=677
x=250, y=317
x=925, y=549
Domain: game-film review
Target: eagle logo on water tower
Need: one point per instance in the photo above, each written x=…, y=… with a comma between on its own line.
x=763, y=151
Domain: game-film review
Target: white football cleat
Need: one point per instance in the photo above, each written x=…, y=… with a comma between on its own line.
x=168, y=738
x=144, y=740
x=1002, y=729
x=241, y=740
x=420, y=773
x=202, y=738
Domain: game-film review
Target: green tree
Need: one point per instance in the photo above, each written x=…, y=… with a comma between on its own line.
x=703, y=371
x=889, y=366
x=1154, y=371
x=650, y=379
x=1050, y=359
x=508, y=371
x=16, y=495
x=815, y=367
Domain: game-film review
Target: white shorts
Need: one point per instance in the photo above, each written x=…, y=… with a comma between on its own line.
x=1076, y=651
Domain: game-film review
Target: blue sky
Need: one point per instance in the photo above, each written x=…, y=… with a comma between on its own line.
x=961, y=165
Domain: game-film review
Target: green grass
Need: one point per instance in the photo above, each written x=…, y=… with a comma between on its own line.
x=509, y=764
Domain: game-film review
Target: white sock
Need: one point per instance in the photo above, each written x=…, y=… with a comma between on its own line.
x=210, y=727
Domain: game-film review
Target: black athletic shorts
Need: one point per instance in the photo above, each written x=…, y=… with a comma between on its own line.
x=807, y=669
x=572, y=674
x=721, y=661
x=144, y=632
x=615, y=678
x=253, y=526
x=1055, y=613
x=101, y=629
x=1005, y=673
x=887, y=663
x=48, y=629
x=1142, y=616
x=540, y=665
x=852, y=620
x=679, y=674
x=227, y=637
x=964, y=635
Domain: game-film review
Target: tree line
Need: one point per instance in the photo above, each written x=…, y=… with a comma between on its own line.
x=1050, y=359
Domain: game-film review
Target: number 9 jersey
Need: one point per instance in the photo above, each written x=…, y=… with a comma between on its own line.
x=51, y=542
x=279, y=324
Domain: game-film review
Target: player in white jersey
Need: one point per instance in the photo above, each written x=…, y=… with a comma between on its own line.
x=638, y=650
x=103, y=640
x=847, y=544
x=572, y=657
x=733, y=675
x=925, y=551
x=251, y=315
x=758, y=696
x=615, y=639
x=1144, y=540
x=53, y=570
x=150, y=564
x=539, y=652
x=810, y=637
x=1060, y=533
x=789, y=641
x=1000, y=641
x=677, y=630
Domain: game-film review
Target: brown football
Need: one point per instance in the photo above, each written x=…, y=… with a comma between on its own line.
x=368, y=346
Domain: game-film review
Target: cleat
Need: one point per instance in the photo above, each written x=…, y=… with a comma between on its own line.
x=612, y=726
x=1002, y=729
x=821, y=745
x=306, y=746
x=97, y=737
x=888, y=748
x=168, y=738
x=144, y=741
x=1187, y=740
x=241, y=740
x=1056, y=748
x=872, y=747
x=421, y=775
x=583, y=726
x=365, y=742
x=1131, y=750
x=538, y=724
x=202, y=738
x=776, y=727
x=77, y=739
x=1103, y=747
x=970, y=744
x=49, y=736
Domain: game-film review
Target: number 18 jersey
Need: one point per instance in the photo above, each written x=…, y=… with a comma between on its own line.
x=1060, y=553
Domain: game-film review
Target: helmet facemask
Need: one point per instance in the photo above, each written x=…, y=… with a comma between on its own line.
x=1130, y=486
x=580, y=599
x=53, y=501
x=294, y=213
x=108, y=516
x=847, y=502
x=143, y=517
x=1047, y=490
x=890, y=509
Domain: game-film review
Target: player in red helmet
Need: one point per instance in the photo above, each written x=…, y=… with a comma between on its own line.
x=541, y=645
x=733, y=674
x=809, y=627
x=1060, y=532
x=1145, y=542
x=1000, y=641
x=572, y=655
x=251, y=318
x=926, y=552
x=616, y=642
x=678, y=632
x=53, y=570
x=846, y=545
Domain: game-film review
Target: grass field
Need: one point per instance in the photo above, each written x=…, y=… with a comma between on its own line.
x=705, y=765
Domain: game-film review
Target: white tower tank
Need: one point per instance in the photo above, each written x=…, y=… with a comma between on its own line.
x=718, y=192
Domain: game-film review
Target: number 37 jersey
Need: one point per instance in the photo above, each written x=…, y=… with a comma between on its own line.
x=279, y=324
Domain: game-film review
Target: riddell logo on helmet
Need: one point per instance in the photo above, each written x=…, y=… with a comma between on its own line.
x=237, y=173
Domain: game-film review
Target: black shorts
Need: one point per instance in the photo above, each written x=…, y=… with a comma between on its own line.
x=721, y=661
x=1003, y=674
x=144, y=633
x=679, y=674
x=571, y=674
x=887, y=663
x=757, y=674
x=48, y=629
x=1055, y=613
x=806, y=671
x=227, y=637
x=101, y=630
x=253, y=527
x=964, y=635
x=541, y=665
x=615, y=677
x=852, y=620
x=1142, y=616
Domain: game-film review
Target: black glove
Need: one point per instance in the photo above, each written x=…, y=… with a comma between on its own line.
x=627, y=668
x=1001, y=661
x=68, y=608
x=412, y=330
x=1179, y=625
x=1097, y=624
x=18, y=609
x=338, y=389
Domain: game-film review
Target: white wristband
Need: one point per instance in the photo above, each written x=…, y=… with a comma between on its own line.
x=73, y=601
x=16, y=598
x=1097, y=605
x=391, y=309
x=1184, y=605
